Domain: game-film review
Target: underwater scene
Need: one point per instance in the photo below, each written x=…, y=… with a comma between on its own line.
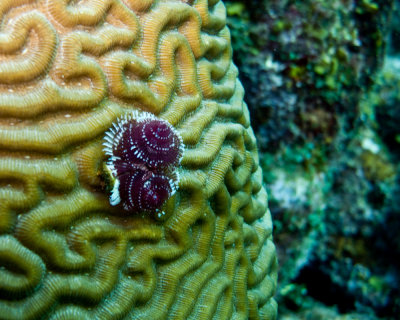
x=199, y=159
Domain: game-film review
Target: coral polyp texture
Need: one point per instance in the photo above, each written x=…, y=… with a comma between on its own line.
x=144, y=152
x=68, y=71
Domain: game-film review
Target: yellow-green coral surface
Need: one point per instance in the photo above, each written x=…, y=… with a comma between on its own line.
x=68, y=69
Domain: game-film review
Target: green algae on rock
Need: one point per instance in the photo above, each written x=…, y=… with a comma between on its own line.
x=68, y=70
x=329, y=142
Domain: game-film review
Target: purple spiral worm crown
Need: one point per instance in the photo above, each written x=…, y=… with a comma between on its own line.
x=144, y=153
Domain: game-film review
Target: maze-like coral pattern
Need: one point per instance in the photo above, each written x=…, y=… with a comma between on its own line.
x=68, y=69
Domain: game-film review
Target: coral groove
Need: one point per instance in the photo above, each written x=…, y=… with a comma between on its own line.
x=68, y=70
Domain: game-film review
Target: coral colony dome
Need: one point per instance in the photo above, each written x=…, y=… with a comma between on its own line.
x=130, y=186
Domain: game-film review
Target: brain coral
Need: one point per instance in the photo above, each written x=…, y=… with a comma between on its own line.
x=68, y=70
